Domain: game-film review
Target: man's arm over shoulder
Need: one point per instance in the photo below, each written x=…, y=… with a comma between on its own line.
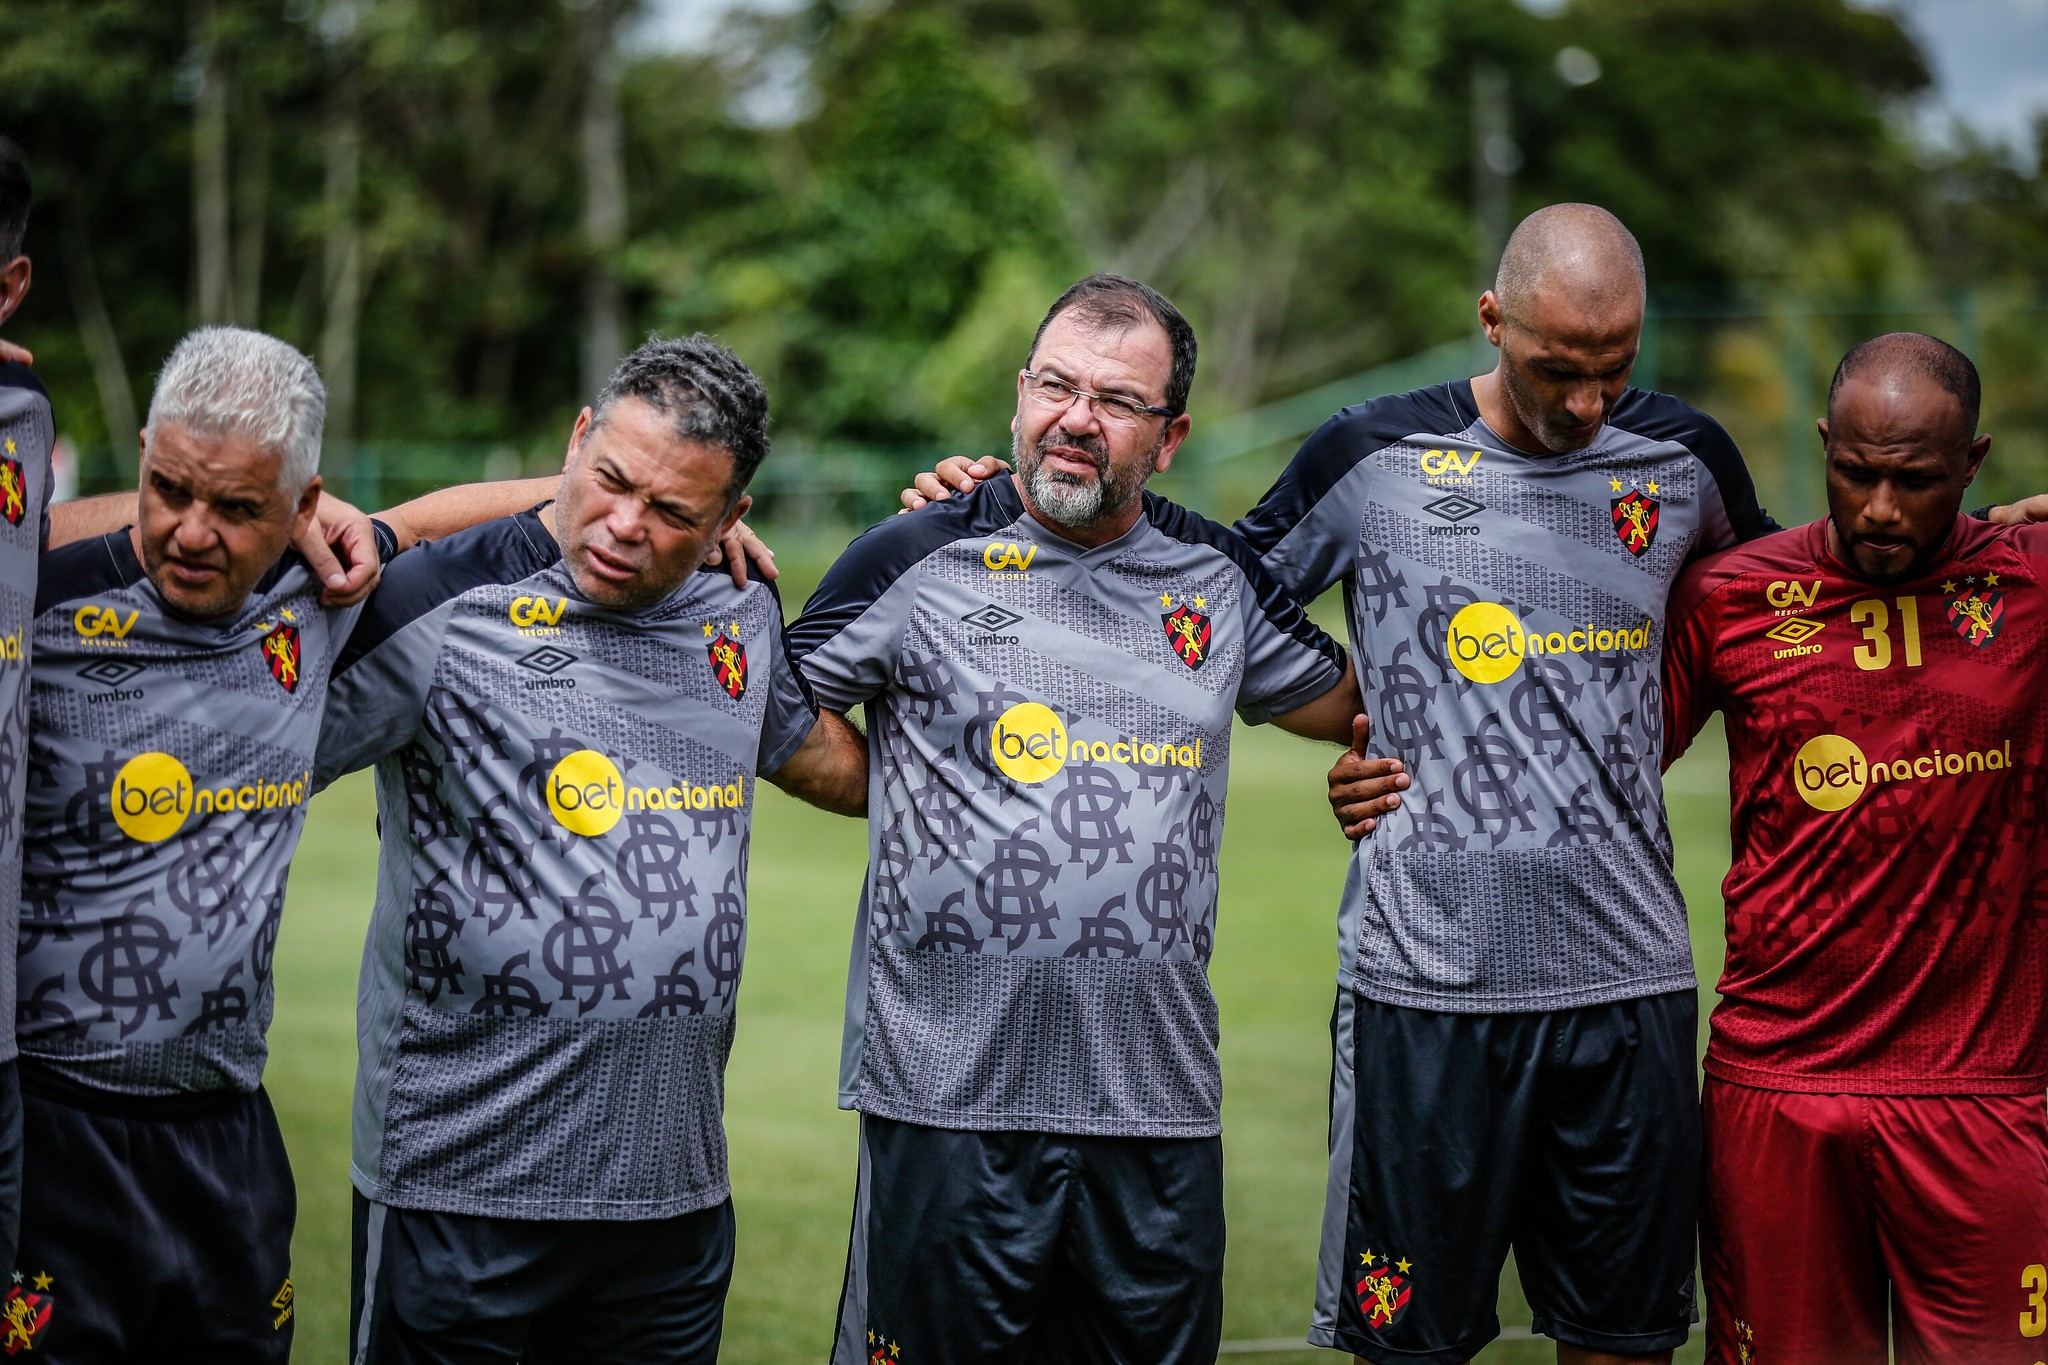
x=1305, y=529
x=378, y=693
x=851, y=632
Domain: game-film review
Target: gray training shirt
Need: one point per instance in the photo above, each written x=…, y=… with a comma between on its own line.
x=1049, y=741
x=1507, y=612
x=26, y=433
x=170, y=764
x=565, y=795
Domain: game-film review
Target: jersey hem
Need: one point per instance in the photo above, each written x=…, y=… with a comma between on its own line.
x=1848, y=1083
x=549, y=1211
x=1518, y=1004
x=973, y=1121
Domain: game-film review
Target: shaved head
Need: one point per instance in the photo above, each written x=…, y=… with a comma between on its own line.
x=1576, y=251
x=1895, y=356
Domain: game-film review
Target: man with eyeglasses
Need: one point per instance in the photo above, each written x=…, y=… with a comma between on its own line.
x=1049, y=665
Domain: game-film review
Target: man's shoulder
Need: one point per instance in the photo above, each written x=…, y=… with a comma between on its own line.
x=85, y=569
x=14, y=375
x=889, y=549
x=506, y=550
x=1773, y=556
x=1660, y=417
x=1363, y=429
x=1188, y=527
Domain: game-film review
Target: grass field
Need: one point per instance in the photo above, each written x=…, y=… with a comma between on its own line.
x=792, y=1150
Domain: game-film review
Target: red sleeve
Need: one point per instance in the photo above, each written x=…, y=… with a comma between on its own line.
x=1690, y=625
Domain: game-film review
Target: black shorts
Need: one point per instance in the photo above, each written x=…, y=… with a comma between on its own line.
x=156, y=1230
x=1572, y=1136
x=10, y=1162
x=450, y=1288
x=977, y=1248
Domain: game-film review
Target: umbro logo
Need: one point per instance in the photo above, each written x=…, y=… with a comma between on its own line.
x=548, y=660
x=991, y=620
x=110, y=672
x=1454, y=508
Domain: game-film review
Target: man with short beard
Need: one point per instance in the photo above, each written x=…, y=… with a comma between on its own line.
x=1876, y=1144
x=568, y=712
x=1049, y=666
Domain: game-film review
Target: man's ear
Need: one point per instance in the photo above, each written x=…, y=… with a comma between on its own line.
x=1979, y=448
x=585, y=420
x=14, y=281
x=302, y=515
x=1822, y=426
x=1490, y=317
x=738, y=510
x=1176, y=431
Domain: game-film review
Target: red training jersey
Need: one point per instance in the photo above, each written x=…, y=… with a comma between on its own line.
x=1888, y=750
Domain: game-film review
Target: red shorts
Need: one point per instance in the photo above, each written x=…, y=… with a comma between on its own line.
x=1823, y=1212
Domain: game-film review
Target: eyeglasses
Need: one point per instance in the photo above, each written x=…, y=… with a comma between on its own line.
x=1049, y=392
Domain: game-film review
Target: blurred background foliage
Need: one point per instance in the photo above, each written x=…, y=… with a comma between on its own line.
x=466, y=209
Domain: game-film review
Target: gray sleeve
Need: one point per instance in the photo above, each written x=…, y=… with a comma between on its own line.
x=849, y=638
x=1288, y=660
x=377, y=697
x=791, y=710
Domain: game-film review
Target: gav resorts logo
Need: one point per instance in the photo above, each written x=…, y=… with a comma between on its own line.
x=587, y=794
x=1486, y=641
x=1832, y=773
x=537, y=615
x=153, y=795
x=1029, y=744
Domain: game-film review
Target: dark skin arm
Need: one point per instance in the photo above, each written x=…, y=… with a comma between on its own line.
x=1364, y=787
x=1328, y=717
x=830, y=768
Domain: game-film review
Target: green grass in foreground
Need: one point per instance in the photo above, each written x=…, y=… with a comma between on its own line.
x=792, y=1151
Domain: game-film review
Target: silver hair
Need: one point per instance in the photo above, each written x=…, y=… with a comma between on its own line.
x=223, y=381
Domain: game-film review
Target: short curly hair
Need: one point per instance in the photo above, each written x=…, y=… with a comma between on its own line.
x=707, y=393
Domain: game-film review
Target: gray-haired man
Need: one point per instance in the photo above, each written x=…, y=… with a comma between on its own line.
x=179, y=678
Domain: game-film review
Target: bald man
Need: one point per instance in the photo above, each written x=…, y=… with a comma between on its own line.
x=1876, y=1142
x=1517, y=1010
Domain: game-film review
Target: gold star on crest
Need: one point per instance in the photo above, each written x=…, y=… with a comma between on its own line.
x=1166, y=599
x=709, y=630
x=1949, y=585
x=1201, y=603
x=1402, y=1265
x=1652, y=487
x=871, y=1337
x=43, y=1280
x=1367, y=1256
x=735, y=629
x=895, y=1349
x=1991, y=580
x=10, y=445
x=1615, y=484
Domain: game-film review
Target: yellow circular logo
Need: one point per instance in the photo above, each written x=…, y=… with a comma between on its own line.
x=152, y=796
x=586, y=793
x=1830, y=772
x=1485, y=642
x=1028, y=743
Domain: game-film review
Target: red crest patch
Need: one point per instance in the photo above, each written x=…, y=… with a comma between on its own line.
x=729, y=665
x=23, y=1316
x=1382, y=1295
x=1977, y=615
x=1187, y=630
x=281, y=652
x=1635, y=521
x=13, y=490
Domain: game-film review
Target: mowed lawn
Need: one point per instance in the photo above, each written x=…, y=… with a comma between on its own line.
x=792, y=1150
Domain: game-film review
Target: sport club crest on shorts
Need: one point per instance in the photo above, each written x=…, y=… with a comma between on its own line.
x=25, y=1313
x=1187, y=630
x=1977, y=610
x=13, y=488
x=1635, y=519
x=728, y=658
x=281, y=653
x=1383, y=1289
